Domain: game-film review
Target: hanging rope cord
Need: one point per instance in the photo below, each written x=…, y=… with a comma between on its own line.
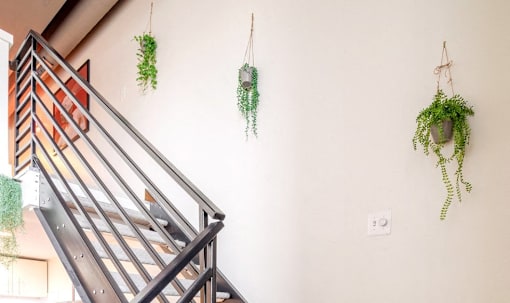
x=249, y=56
x=150, y=19
x=149, y=23
x=446, y=67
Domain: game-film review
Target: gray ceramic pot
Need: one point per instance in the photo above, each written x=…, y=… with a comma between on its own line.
x=447, y=131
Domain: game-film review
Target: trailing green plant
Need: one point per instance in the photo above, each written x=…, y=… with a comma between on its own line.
x=11, y=218
x=442, y=109
x=248, y=99
x=147, y=71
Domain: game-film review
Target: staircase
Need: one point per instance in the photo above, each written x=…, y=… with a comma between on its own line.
x=115, y=245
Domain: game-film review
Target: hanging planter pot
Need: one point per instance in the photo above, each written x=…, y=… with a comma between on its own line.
x=248, y=97
x=147, y=71
x=443, y=134
x=246, y=76
x=446, y=118
x=247, y=90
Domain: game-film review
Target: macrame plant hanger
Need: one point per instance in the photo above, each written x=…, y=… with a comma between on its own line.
x=150, y=19
x=446, y=67
x=249, y=56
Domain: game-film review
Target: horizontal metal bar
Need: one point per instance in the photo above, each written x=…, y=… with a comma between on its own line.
x=23, y=149
x=23, y=89
x=21, y=166
x=154, y=287
x=196, y=286
x=24, y=60
x=23, y=133
x=23, y=118
x=22, y=104
x=23, y=74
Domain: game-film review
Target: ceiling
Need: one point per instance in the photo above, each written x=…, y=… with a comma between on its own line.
x=17, y=17
x=64, y=23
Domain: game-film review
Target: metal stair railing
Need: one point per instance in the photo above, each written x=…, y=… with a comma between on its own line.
x=36, y=81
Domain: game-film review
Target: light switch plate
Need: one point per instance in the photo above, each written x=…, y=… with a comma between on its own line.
x=379, y=223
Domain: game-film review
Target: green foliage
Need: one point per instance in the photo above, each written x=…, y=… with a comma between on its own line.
x=441, y=109
x=248, y=100
x=147, y=71
x=11, y=218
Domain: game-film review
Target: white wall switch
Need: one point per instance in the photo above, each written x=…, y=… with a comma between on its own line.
x=379, y=223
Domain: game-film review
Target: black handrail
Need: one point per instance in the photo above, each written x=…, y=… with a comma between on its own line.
x=155, y=286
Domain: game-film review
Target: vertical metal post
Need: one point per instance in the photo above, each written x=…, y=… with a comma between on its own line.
x=212, y=282
x=33, y=87
x=16, y=114
x=204, y=256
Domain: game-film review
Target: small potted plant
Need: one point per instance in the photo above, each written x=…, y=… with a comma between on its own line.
x=146, y=54
x=444, y=113
x=247, y=88
x=147, y=71
x=11, y=218
x=248, y=96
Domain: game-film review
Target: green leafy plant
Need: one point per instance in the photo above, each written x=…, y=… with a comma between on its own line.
x=442, y=109
x=147, y=71
x=11, y=218
x=248, y=98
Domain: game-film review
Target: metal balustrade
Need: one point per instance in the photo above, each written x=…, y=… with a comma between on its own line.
x=40, y=72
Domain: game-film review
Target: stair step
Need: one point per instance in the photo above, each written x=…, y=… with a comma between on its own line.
x=125, y=231
x=136, y=216
x=168, y=291
x=141, y=254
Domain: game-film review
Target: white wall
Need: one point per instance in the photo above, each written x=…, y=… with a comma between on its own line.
x=5, y=44
x=21, y=300
x=341, y=83
x=60, y=287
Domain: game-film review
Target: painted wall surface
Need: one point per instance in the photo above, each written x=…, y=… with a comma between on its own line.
x=341, y=83
x=60, y=287
x=6, y=40
x=21, y=300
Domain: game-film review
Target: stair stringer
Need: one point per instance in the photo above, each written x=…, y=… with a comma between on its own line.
x=91, y=278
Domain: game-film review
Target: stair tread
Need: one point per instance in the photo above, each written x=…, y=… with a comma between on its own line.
x=141, y=254
x=125, y=231
x=168, y=291
x=109, y=209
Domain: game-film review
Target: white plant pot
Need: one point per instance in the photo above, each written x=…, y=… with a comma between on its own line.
x=246, y=75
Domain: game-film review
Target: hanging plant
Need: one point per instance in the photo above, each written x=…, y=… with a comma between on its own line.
x=146, y=54
x=247, y=89
x=248, y=97
x=446, y=117
x=11, y=218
